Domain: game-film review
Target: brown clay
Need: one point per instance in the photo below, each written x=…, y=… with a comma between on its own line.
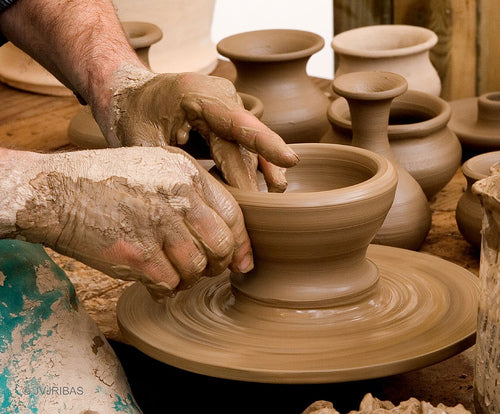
x=369, y=95
x=469, y=213
x=401, y=49
x=418, y=135
x=476, y=121
x=321, y=305
x=271, y=65
x=83, y=130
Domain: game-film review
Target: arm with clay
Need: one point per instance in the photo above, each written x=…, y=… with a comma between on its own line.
x=84, y=45
x=148, y=214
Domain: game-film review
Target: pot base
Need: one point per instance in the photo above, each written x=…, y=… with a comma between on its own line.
x=422, y=312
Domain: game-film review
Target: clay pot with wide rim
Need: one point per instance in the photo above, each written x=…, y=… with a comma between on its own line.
x=271, y=65
x=476, y=122
x=369, y=95
x=418, y=135
x=469, y=213
x=321, y=304
x=83, y=130
x=401, y=49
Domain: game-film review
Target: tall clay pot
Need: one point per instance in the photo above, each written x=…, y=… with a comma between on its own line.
x=83, y=130
x=418, y=134
x=271, y=65
x=369, y=95
x=469, y=214
x=401, y=49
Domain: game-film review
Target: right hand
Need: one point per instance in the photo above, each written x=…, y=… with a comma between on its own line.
x=148, y=214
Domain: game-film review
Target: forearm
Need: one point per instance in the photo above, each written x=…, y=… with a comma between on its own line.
x=80, y=42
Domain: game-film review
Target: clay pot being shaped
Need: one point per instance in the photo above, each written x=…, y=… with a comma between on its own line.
x=83, y=130
x=271, y=65
x=418, y=135
x=369, y=95
x=476, y=121
x=469, y=213
x=401, y=49
x=186, y=26
x=321, y=304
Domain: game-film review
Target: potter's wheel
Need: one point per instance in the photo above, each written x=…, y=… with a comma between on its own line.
x=422, y=312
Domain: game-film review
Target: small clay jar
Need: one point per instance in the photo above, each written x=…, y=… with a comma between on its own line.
x=476, y=122
x=401, y=49
x=83, y=130
x=469, y=214
x=418, y=135
x=271, y=65
x=369, y=95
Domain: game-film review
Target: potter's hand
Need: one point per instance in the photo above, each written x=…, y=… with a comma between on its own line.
x=148, y=214
x=160, y=110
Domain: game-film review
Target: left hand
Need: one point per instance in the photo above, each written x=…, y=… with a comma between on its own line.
x=162, y=110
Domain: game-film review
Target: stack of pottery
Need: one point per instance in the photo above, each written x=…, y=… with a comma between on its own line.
x=401, y=49
x=476, y=121
x=469, y=214
x=369, y=96
x=271, y=65
x=83, y=130
x=418, y=135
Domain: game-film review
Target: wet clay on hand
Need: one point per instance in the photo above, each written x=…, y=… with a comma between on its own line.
x=148, y=214
x=160, y=110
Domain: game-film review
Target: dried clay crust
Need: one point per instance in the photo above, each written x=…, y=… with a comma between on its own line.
x=371, y=405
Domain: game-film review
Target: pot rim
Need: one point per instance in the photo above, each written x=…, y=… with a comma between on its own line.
x=141, y=34
x=442, y=114
x=383, y=181
x=226, y=46
x=471, y=166
x=340, y=42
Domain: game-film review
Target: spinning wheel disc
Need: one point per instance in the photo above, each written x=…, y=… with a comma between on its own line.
x=422, y=312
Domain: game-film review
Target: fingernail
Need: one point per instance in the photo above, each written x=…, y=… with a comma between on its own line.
x=246, y=264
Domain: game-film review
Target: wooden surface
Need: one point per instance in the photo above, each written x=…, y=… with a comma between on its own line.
x=466, y=54
x=39, y=123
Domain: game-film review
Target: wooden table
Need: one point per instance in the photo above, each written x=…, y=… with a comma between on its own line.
x=39, y=123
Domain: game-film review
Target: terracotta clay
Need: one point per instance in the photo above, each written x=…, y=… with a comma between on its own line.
x=401, y=49
x=369, y=95
x=84, y=132
x=271, y=65
x=476, y=121
x=469, y=213
x=321, y=305
x=418, y=134
x=487, y=372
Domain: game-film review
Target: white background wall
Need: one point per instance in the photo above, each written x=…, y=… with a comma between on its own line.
x=235, y=16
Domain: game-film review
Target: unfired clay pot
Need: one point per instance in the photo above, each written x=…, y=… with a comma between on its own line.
x=369, y=95
x=469, y=213
x=418, y=135
x=187, y=45
x=271, y=65
x=321, y=304
x=401, y=49
x=476, y=121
